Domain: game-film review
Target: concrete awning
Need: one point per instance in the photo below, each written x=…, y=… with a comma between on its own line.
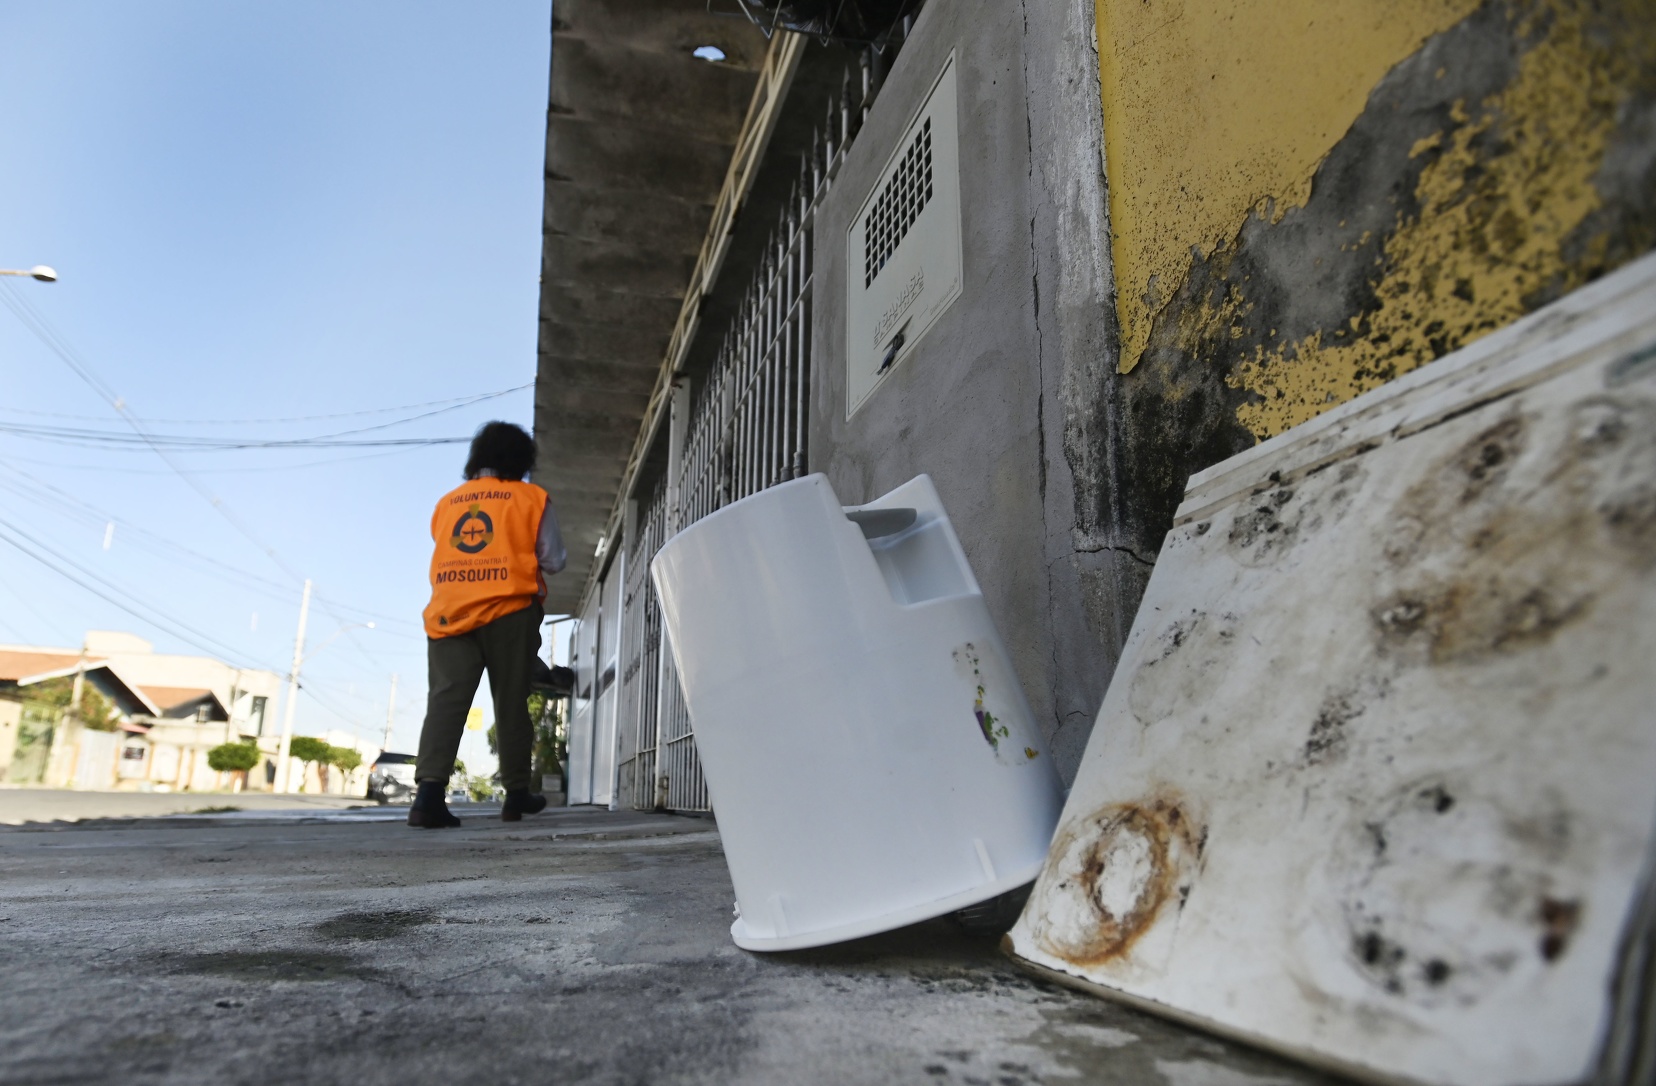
x=639, y=135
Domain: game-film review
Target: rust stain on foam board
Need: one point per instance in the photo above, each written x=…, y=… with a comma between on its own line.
x=1111, y=875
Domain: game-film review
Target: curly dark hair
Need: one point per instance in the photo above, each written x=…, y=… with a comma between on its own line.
x=504, y=448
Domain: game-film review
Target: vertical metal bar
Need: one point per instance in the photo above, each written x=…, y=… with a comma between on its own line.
x=740, y=398
x=785, y=371
x=761, y=361
x=773, y=318
x=750, y=416
x=866, y=63
x=744, y=401
x=668, y=519
x=797, y=457
x=767, y=297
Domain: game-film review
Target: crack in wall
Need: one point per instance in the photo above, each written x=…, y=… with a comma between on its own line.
x=1055, y=675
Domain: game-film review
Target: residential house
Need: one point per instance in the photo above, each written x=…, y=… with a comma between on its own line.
x=168, y=710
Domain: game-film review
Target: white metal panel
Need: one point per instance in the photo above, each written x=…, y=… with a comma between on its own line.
x=583, y=661
x=95, y=766
x=604, y=735
x=1376, y=776
x=902, y=250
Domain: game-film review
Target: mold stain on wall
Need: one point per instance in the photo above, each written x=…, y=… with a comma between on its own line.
x=1496, y=156
x=1503, y=216
x=1214, y=107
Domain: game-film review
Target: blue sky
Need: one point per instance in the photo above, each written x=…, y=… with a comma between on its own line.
x=263, y=211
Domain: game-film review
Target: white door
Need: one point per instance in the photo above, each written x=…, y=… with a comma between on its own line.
x=96, y=766
x=608, y=691
x=582, y=657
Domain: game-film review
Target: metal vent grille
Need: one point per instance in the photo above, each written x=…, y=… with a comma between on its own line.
x=900, y=203
x=903, y=246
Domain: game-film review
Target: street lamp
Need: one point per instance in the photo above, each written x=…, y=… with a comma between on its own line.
x=39, y=271
x=283, y=757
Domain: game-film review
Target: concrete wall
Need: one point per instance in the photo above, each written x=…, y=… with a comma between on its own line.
x=1235, y=215
x=1308, y=200
x=11, y=718
x=970, y=406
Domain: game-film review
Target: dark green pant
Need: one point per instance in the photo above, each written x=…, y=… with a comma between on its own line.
x=505, y=647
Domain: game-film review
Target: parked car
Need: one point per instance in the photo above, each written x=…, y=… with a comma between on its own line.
x=391, y=778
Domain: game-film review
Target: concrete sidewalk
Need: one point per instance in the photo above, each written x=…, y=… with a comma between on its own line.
x=576, y=946
x=20, y=804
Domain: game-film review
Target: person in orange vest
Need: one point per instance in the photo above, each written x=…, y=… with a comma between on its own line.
x=496, y=542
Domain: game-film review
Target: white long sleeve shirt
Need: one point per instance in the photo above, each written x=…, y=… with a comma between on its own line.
x=549, y=544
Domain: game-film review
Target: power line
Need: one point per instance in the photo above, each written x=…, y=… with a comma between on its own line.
x=148, y=614
x=29, y=486
x=49, y=624
x=36, y=489
x=457, y=401
x=105, y=468
x=15, y=632
x=114, y=439
x=37, y=322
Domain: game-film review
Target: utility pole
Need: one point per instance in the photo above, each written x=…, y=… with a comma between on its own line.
x=76, y=691
x=390, y=710
x=282, y=757
x=230, y=710
x=59, y=751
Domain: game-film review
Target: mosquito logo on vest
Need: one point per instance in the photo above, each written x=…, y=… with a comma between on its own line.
x=472, y=532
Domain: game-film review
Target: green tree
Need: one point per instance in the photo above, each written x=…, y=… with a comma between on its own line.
x=343, y=759
x=233, y=757
x=307, y=749
x=549, y=750
x=96, y=712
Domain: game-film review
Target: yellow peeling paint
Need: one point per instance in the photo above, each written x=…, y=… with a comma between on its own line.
x=1216, y=108
x=1489, y=231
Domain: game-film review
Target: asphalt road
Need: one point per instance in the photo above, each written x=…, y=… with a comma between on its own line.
x=576, y=946
x=20, y=804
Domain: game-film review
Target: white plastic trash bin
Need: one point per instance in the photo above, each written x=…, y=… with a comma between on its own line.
x=869, y=752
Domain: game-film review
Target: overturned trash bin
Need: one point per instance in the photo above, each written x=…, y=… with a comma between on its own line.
x=867, y=746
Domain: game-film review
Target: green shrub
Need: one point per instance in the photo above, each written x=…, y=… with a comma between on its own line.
x=233, y=757
x=307, y=749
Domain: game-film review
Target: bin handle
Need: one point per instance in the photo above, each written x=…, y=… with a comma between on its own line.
x=881, y=522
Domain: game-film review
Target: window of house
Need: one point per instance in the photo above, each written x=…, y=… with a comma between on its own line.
x=257, y=715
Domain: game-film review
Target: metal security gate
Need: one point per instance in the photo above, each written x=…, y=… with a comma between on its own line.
x=640, y=655
x=742, y=429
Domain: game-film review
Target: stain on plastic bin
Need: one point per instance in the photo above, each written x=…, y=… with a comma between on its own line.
x=966, y=658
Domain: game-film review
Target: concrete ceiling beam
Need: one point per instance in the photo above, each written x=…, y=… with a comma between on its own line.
x=639, y=137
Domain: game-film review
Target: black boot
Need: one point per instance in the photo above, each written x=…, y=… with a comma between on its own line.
x=430, y=810
x=519, y=802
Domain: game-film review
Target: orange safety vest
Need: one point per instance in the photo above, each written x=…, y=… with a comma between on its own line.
x=484, y=565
